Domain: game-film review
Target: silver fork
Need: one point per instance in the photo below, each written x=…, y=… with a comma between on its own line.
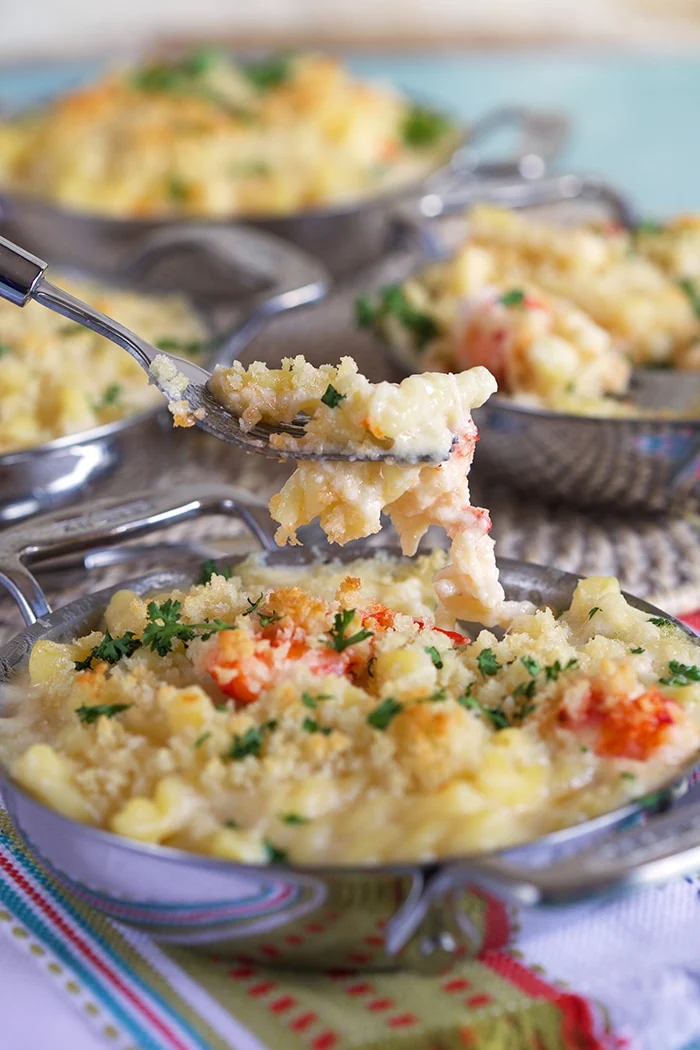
x=22, y=279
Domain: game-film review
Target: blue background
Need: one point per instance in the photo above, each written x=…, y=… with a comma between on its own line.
x=635, y=117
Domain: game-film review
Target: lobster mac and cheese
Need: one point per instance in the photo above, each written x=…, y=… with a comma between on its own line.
x=206, y=136
x=319, y=714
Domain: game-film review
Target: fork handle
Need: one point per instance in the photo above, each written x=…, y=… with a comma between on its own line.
x=20, y=273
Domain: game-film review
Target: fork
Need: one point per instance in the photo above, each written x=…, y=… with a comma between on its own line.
x=22, y=279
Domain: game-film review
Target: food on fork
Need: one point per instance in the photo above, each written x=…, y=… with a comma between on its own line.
x=59, y=378
x=427, y=414
x=559, y=315
x=202, y=135
x=317, y=713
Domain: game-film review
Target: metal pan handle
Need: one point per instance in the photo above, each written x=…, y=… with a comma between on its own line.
x=109, y=522
x=665, y=847
x=542, y=136
x=292, y=278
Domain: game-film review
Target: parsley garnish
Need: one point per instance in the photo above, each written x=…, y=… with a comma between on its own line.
x=435, y=697
x=514, y=297
x=552, y=671
x=88, y=715
x=230, y=823
x=341, y=622
x=649, y=226
x=681, y=674
x=189, y=349
x=210, y=627
x=688, y=286
x=178, y=189
x=593, y=611
x=221, y=707
x=660, y=621
x=8, y=350
x=526, y=689
x=423, y=126
x=293, y=818
x=530, y=665
x=384, y=713
x=312, y=701
x=275, y=855
x=331, y=397
x=110, y=649
x=249, y=743
x=270, y=72
x=310, y=725
x=164, y=627
x=637, y=650
x=488, y=663
x=201, y=739
x=111, y=396
x=496, y=717
x=627, y=775
x=392, y=301
x=252, y=606
x=267, y=618
x=434, y=656
x=209, y=569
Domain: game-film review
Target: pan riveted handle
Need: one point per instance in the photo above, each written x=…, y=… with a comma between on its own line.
x=665, y=847
x=542, y=136
x=109, y=522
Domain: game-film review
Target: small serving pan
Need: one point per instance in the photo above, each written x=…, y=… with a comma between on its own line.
x=627, y=464
x=416, y=915
x=343, y=237
x=237, y=277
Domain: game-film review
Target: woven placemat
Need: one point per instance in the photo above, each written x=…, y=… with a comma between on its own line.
x=656, y=558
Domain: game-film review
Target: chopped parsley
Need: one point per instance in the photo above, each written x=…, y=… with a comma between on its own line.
x=526, y=689
x=681, y=674
x=275, y=855
x=660, y=621
x=495, y=716
x=530, y=665
x=4, y=350
x=189, y=349
x=164, y=627
x=436, y=697
x=178, y=189
x=252, y=606
x=384, y=713
x=513, y=297
x=112, y=650
x=627, y=775
x=267, y=618
x=248, y=743
x=423, y=126
x=593, y=611
x=331, y=397
x=434, y=656
x=690, y=289
x=111, y=397
x=338, y=639
x=201, y=739
x=552, y=671
x=310, y=725
x=221, y=707
x=293, y=818
x=209, y=569
x=270, y=72
x=637, y=650
x=312, y=701
x=183, y=76
x=392, y=302
x=88, y=715
x=649, y=226
x=488, y=663
x=230, y=823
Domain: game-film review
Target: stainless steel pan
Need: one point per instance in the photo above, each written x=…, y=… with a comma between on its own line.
x=627, y=464
x=238, y=277
x=344, y=238
x=402, y=915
